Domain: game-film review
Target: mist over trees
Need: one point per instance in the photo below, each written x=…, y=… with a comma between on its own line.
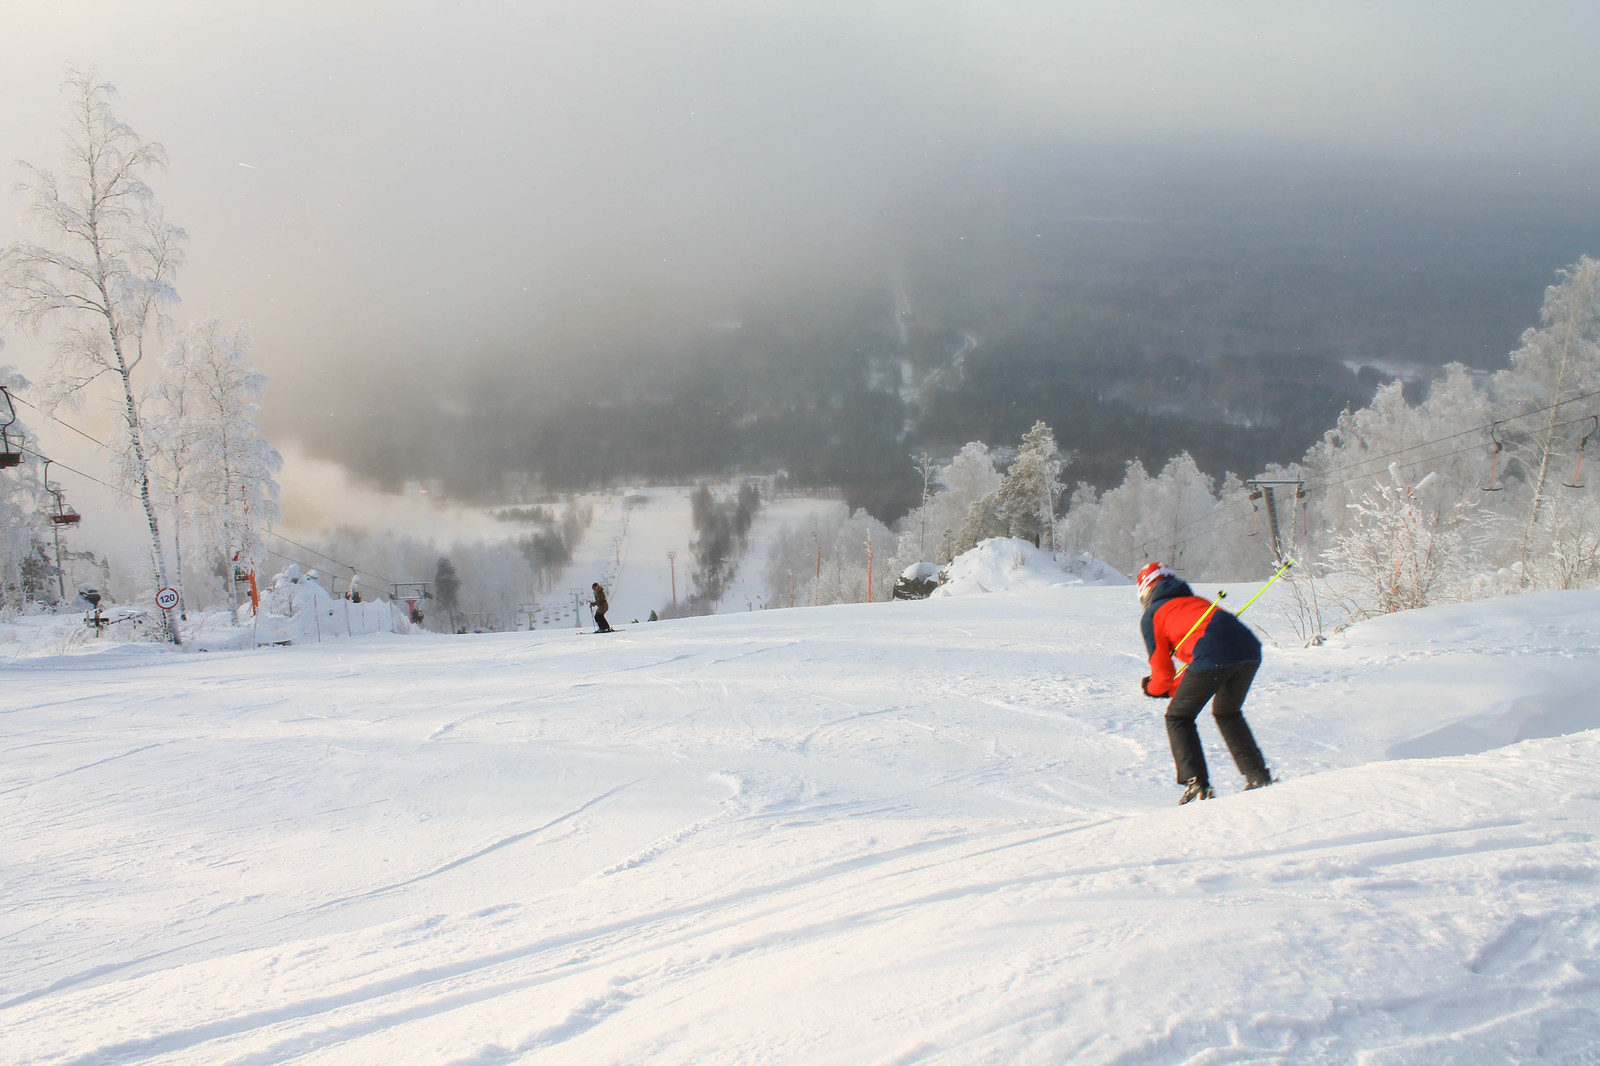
x=1144, y=359
x=1474, y=488
x=1143, y=304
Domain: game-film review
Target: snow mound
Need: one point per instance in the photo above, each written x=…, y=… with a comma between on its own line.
x=298, y=610
x=1006, y=564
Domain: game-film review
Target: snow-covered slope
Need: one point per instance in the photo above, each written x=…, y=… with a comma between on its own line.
x=935, y=832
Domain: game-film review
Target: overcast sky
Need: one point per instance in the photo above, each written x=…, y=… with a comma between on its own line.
x=397, y=186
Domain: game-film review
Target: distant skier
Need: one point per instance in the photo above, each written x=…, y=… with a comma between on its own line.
x=1222, y=657
x=601, y=606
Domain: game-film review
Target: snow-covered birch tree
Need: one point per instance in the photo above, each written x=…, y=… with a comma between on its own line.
x=169, y=433
x=969, y=478
x=211, y=393
x=103, y=268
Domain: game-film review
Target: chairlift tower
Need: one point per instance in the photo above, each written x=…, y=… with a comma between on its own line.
x=1267, y=491
x=62, y=515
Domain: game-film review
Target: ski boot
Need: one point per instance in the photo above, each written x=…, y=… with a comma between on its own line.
x=1195, y=789
x=1257, y=778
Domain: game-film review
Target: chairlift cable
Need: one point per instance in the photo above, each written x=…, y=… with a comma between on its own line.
x=269, y=551
x=52, y=417
x=130, y=495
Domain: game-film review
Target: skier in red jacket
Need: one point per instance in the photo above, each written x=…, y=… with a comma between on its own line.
x=1222, y=657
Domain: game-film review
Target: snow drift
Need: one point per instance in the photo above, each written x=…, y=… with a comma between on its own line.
x=1004, y=564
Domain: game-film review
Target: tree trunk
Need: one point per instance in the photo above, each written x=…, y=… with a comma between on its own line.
x=177, y=542
x=158, y=562
x=1549, y=438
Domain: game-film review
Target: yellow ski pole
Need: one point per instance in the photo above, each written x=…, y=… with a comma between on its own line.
x=1284, y=569
x=1220, y=596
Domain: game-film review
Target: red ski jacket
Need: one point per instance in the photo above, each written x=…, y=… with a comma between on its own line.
x=1222, y=640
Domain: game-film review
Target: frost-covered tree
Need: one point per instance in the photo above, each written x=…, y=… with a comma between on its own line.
x=23, y=563
x=1118, y=513
x=169, y=425
x=1365, y=522
x=103, y=268
x=1078, y=531
x=1403, y=549
x=1174, y=507
x=447, y=588
x=842, y=539
x=1026, y=499
x=982, y=522
x=1340, y=468
x=928, y=471
x=218, y=466
x=1557, y=362
x=1237, y=548
x=968, y=478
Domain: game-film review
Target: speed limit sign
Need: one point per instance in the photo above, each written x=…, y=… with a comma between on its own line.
x=167, y=599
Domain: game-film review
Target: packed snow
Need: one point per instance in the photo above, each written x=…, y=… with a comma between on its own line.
x=913, y=832
x=1002, y=564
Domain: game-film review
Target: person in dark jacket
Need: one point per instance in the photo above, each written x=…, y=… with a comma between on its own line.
x=601, y=606
x=1220, y=657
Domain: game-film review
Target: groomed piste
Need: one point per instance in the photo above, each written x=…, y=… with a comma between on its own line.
x=931, y=832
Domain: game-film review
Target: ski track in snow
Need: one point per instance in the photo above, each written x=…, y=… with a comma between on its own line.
x=899, y=833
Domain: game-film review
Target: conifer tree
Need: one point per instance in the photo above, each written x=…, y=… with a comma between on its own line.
x=447, y=588
x=1026, y=500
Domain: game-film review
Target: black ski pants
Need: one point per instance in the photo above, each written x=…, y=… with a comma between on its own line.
x=1226, y=689
x=600, y=623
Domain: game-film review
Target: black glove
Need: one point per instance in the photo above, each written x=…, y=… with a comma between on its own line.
x=1144, y=683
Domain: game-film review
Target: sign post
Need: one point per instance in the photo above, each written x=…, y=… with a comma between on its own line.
x=167, y=599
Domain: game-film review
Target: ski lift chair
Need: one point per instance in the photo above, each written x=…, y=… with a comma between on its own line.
x=64, y=515
x=10, y=455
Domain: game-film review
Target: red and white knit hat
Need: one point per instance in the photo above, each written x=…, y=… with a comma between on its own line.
x=1152, y=573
